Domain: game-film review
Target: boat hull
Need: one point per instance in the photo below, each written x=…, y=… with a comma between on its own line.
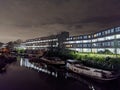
x=53, y=62
x=90, y=74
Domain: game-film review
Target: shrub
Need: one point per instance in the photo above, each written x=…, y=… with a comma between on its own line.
x=106, y=51
x=89, y=59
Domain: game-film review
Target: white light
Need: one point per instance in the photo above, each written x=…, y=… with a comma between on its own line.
x=94, y=40
x=118, y=36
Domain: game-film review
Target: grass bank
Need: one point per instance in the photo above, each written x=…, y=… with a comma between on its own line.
x=101, y=61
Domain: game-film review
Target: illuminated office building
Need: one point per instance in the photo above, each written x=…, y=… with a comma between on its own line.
x=108, y=39
x=46, y=43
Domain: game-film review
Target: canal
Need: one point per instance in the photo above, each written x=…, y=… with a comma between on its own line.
x=23, y=75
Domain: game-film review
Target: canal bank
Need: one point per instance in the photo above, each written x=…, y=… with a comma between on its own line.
x=29, y=77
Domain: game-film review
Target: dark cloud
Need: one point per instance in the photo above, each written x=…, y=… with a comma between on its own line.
x=103, y=19
x=34, y=18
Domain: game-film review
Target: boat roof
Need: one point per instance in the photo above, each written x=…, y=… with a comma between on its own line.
x=73, y=61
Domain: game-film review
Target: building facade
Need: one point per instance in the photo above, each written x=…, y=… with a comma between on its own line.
x=100, y=41
x=46, y=43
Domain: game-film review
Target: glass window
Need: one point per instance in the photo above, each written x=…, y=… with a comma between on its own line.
x=109, y=37
x=117, y=29
x=89, y=45
x=108, y=31
x=68, y=46
x=118, y=42
x=118, y=36
x=85, y=37
x=78, y=42
x=85, y=41
x=84, y=45
x=103, y=33
x=108, y=44
x=100, y=34
x=112, y=30
x=103, y=44
x=79, y=45
x=94, y=44
x=71, y=41
x=89, y=36
x=94, y=40
x=67, y=38
x=101, y=39
x=112, y=43
x=95, y=35
x=80, y=37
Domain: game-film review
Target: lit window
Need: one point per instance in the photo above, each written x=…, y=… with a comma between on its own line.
x=109, y=37
x=84, y=45
x=80, y=45
x=108, y=44
x=85, y=41
x=117, y=29
x=78, y=42
x=112, y=43
x=74, y=38
x=95, y=35
x=103, y=33
x=94, y=44
x=99, y=34
x=94, y=40
x=101, y=39
x=119, y=43
x=68, y=46
x=112, y=30
x=106, y=32
x=118, y=36
x=80, y=37
x=89, y=36
x=85, y=37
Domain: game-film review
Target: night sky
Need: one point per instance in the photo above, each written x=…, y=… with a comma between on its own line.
x=26, y=19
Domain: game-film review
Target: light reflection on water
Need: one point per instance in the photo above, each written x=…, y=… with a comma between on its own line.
x=58, y=73
x=39, y=67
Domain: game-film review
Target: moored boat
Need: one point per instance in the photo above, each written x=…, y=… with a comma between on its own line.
x=34, y=59
x=2, y=66
x=53, y=60
x=99, y=74
x=7, y=58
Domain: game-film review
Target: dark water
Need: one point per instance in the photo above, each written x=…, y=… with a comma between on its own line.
x=23, y=75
